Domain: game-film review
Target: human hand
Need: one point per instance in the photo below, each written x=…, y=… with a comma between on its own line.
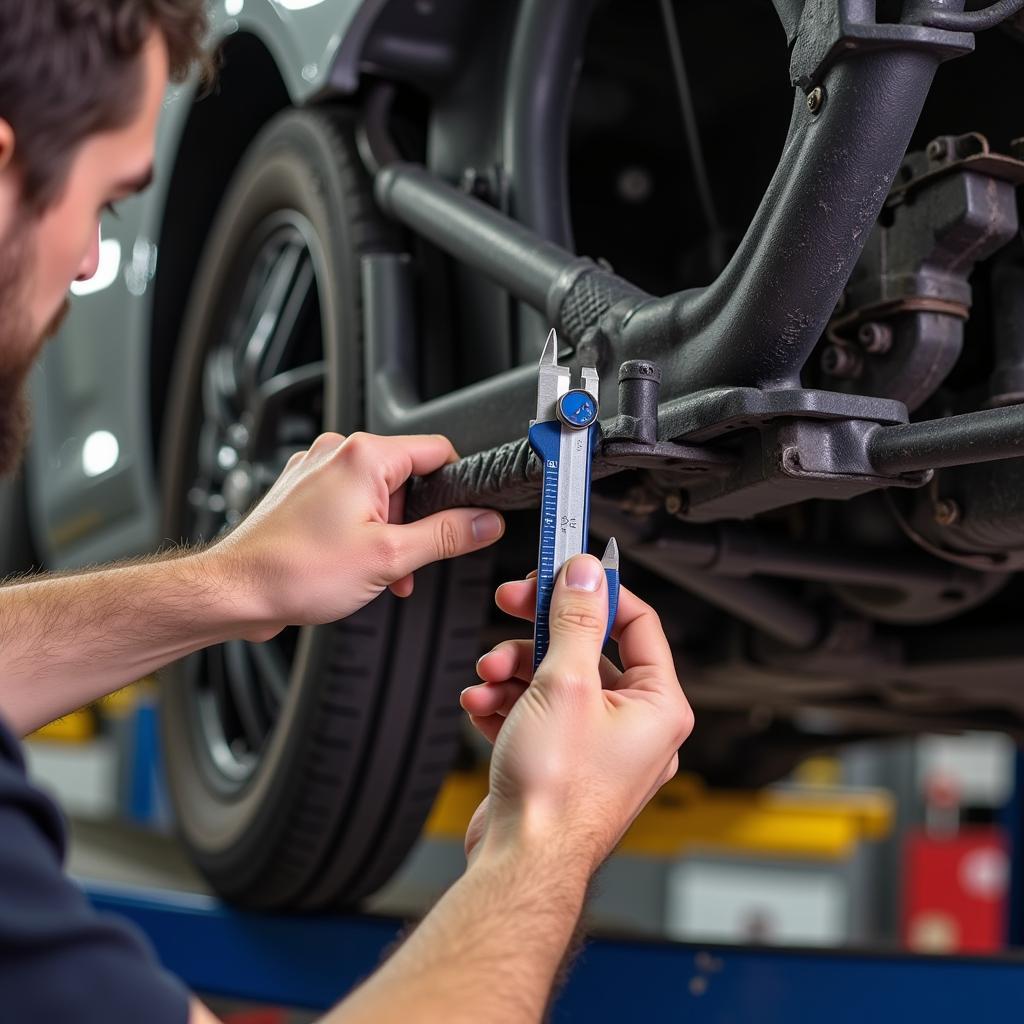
x=329, y=536
x=580, y=750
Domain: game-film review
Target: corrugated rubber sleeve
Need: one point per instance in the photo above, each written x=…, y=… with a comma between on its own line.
x=506, y=477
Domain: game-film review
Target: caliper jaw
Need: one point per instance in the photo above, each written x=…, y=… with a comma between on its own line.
x=553, y=381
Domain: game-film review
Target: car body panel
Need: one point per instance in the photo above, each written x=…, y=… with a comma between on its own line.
x=93, y=377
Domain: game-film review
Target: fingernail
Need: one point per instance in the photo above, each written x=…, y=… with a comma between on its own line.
x=583, y=573
x=516, y=583
x=487, y=526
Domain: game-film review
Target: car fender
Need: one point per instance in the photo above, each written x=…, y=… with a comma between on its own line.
x=91, y=481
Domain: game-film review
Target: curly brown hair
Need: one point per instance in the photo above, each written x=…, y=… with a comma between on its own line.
x=72, y=68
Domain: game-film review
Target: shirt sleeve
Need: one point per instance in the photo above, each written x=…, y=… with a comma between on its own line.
x=60, y=960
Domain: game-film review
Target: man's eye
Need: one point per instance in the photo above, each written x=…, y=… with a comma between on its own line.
x=111, y=209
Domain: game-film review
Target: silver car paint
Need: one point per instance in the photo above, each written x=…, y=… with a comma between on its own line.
x=94, y=377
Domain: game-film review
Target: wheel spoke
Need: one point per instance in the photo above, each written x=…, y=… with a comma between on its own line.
x=220, y=389
x=267, y=315
x=242, y=687
x=272, y=667
x=213, y=662
x=274, y=394
x=208, y=444
x=227, y=748
x=301, y=300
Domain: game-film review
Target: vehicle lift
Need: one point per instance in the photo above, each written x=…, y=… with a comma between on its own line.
x=311, y=962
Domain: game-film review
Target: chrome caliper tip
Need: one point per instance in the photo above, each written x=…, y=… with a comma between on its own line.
x=610, y=558
x=550, y=354
x=552, y=380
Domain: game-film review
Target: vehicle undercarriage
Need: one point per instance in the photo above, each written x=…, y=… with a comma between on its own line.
x=811, y=347
x=837, y=356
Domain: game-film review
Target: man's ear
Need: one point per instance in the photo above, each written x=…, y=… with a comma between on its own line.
x=6, y=144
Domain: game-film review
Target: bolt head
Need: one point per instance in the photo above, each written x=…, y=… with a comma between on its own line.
x=815, y=99
x=227, y=457
x=936, y=149
x=238, y=435
x=946, y=512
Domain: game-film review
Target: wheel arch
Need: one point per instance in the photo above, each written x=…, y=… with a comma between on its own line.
x=250, y=89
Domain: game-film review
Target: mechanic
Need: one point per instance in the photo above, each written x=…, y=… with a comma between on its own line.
x=577, y=754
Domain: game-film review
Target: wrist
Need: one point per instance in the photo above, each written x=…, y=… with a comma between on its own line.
x=243, y=608
x=533, y=851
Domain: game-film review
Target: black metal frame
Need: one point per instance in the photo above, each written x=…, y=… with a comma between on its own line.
x=734, y=431
x=756, y=325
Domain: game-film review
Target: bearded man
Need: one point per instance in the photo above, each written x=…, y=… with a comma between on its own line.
x=81, y=89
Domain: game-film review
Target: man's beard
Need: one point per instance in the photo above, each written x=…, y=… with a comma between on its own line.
x=18, y=349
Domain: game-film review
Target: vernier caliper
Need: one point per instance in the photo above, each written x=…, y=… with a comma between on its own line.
x=563, y=437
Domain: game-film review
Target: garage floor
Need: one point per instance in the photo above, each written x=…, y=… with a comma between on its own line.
x=628, y=900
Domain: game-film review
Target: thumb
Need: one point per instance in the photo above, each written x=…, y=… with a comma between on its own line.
x=456, y=531
x=477, y=827
x=578, y=617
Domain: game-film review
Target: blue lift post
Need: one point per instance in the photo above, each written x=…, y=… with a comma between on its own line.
x=310, y=962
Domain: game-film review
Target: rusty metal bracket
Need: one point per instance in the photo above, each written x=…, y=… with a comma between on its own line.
x=947, y=154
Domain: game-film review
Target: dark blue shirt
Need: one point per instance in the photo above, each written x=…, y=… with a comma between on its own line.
x=60, y=961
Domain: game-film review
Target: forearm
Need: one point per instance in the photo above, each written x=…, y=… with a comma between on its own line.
x=67, y=640
x=488, y=951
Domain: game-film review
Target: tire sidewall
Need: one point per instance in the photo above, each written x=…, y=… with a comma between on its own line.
x=288, y=167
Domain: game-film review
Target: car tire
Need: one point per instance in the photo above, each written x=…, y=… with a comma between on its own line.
x=365, y=729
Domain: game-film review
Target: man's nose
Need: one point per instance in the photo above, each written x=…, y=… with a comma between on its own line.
x=91, y=261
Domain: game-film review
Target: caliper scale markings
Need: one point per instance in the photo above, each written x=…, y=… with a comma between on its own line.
x=563, y=436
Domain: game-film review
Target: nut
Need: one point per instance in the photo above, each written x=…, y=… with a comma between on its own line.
x=875, y=338
x=841, y=362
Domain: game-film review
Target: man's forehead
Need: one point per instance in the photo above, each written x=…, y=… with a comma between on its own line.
x=135, y=182
x=122, y=160
x=129, y=146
